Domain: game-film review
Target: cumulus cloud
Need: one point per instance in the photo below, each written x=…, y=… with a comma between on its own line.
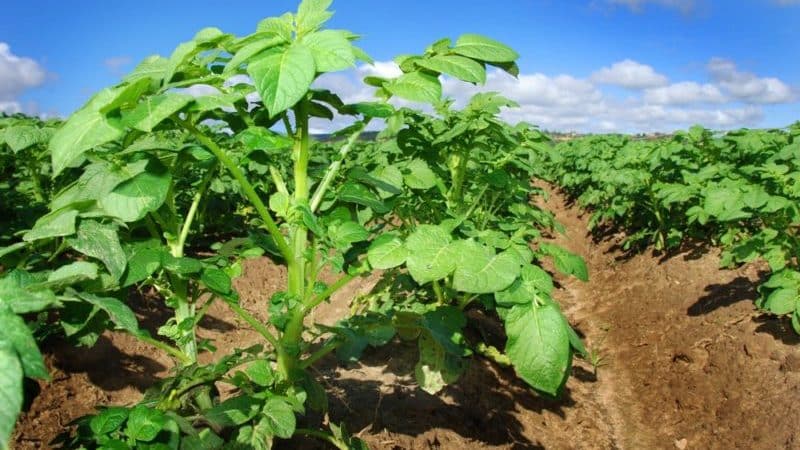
x=729, y=98
x=630, y=74
x=17, y=74
x=748, y=87
x=638, y=5
x=684, y=93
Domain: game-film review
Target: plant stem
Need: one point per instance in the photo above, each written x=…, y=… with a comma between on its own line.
x=320, y=353
x=332, y=289
x=298, y=235
x=437, y=289
x=165, y=347
x=198, y=196
x=491, y=352
x=247, y=188
x=327, y=437
x=256, y=324
x=333, y=169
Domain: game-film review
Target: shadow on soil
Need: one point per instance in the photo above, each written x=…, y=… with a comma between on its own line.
x=721, y=295
x=106, y=366
x=479, y=406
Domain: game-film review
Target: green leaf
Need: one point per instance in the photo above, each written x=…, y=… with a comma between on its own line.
x=331, y=50
x=387, y=251
x=464, y=69
x=417, y=87
x=445, y=325
x=566, y=262
x=154, y=110
x=84, y=130
x=539, y=346
x=102, y=242
x=532, y=283
x=370, y=109
x=281, y=26
x=119, y=313
x=431, y=256
x=418, y=175
x=182, y=265
x=484, y=49
x=480, y=271
x=252, y=49
x=72, y=273
x=204, y=440
x=361, y=195
x=436, y=367
x=23, y=136
x=346, y=233
x=110, y=419
x=10, y=390
x=233, y=412
x=153, y=68
x=54, y=224
x=133, y=199
x=216, y=280
x=259, y=138
x=16, y=293
x=144, y=423
x=783, y=301
x=279, y=418
x=18, y=335
x=143, y=262
x=261, y=373
x=311, y=14
x=283, y=76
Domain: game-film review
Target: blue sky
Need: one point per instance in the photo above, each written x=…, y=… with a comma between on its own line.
x=587, y=65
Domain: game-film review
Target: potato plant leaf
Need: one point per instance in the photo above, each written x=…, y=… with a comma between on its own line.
x=480, y=271
x=484, y=49
x=431, y=255
x=539, y=346
x=283, y=76
x=10, y=390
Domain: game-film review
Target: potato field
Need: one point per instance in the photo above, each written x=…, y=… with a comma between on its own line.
x=204, y=272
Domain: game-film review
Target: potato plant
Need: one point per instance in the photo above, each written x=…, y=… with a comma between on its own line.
x=738, y=190
x=142, y=162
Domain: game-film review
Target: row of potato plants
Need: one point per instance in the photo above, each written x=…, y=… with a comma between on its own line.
x=140, y=183
x=739, y=190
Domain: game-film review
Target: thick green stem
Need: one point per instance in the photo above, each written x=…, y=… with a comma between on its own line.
x=437, y=289
x=333, y=169
x=491, y=352
x=299, y=237
x=247, y=188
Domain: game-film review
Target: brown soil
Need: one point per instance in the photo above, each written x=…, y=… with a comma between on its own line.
x=685, y=362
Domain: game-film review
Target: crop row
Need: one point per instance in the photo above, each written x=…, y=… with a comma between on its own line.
x=738, y=190
x=147, y=189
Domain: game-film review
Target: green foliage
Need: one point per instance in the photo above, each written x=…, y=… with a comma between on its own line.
x=739, y=190
x=146, y=179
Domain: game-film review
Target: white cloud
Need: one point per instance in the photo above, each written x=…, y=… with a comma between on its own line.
x=638, y=5
x=630, y=74
x=684, y=93
x=748, y=87
x=17, y=74
x=115, y=64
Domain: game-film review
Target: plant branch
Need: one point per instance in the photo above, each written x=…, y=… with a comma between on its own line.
x=248, y=189
x=333, y=169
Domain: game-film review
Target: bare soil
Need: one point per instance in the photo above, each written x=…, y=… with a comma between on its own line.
x=685, y=361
